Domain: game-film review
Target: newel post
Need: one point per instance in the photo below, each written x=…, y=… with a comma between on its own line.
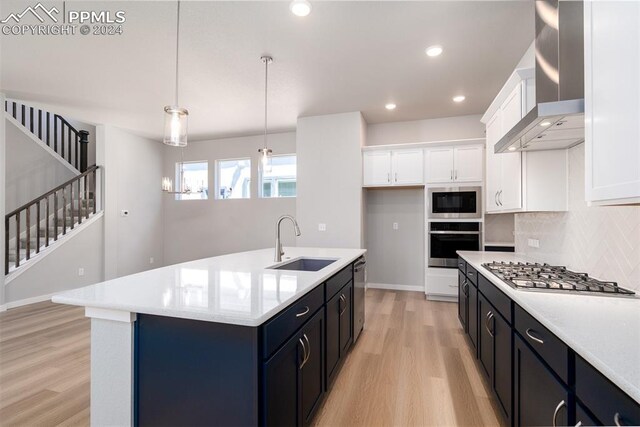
x=84, y=144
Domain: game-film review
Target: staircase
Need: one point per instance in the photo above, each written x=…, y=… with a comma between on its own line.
x=42, y=222
x=53, y=130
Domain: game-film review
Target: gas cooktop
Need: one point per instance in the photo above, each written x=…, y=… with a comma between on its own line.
x=545, y=277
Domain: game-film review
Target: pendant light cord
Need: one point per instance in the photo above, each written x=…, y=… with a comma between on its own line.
x=177, y=48
x=266, y=81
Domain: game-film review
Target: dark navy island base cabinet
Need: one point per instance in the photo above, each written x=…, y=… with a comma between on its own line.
x=204, y=373
x=536, y=379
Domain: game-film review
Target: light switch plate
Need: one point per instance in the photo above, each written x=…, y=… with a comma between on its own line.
x=395, y=225
x=533, y=243
x=322, y=227
x=81, y=271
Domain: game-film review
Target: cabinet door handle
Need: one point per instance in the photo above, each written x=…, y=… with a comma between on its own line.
x=486, y=323
x=530, y=333
x=388, y=176
x=344, y=300
x=500, y=198
x=495, y=199
x=304, y=312
x=451, y=174
x=579, y=424
x=555, y=413
x=396, y=176
x=304, y=353
x=456, y=174
x=617, y=419
x=306, y=338
x=465, y=288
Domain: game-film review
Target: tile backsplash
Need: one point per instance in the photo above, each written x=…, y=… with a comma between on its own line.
x=601, y=241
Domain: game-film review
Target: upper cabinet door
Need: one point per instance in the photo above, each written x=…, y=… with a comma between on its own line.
x=377, y=168
x=439, y=165
x=467, y=164
x=494, y=163
x=407, y=167
x=612, y=101
x=511, y=110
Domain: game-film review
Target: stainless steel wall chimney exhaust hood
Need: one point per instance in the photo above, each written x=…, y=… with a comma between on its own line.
x=557, y=120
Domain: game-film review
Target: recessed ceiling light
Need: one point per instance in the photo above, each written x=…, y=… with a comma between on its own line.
x=390, y=106
x=545, y=124
x=300, y=7
x=459, y=98
x=512, y=148
x=434, y=50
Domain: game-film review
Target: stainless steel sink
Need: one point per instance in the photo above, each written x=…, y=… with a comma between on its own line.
x=304, y=264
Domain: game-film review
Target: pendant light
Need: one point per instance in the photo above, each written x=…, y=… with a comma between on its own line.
x=175, y=120
x=264, y=151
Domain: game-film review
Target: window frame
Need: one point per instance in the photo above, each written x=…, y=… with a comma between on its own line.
x=216, y=184
x=179, y=196
x=274, y=181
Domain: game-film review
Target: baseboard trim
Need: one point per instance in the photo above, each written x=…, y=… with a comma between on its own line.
x=27, y=301
x=442, y=298
x=52, y=247
x=395, y=287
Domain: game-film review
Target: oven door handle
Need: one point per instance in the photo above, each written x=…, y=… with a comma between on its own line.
x=454, y=232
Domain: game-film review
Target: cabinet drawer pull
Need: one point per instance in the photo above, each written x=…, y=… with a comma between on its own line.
x=305, y=311
x=344, y=300
x=486, y=323
x=530, y=335
x=555, y=413
x=617, y=419
x=304, y=353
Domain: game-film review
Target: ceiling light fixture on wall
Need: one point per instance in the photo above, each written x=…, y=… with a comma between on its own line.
x=264, y=151
x=300, y=7
x=434, y=50
x=459, y=98
x=175, y=120
x=390, y=106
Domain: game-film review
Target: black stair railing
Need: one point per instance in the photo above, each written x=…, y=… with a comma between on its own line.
x=52, y=129
x=56, y=212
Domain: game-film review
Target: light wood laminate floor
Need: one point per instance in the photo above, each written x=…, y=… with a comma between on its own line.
x=410, y=367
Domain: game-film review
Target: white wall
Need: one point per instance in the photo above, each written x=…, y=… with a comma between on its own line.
x=57, y=271
x=132, y=177
x=601, y=241
x=395, y=257
x=196, y=229
x=31, y=169
x=330, y=179
x=461, y=127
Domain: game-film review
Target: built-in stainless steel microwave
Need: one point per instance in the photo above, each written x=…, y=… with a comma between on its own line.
x=455, y=202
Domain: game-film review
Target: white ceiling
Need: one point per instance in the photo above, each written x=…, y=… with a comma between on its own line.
x=344, y=56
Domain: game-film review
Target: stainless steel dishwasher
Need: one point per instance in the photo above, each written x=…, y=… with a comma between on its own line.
x=358, y=296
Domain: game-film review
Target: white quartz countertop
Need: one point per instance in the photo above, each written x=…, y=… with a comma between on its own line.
x=603, y=330
x=236, y=289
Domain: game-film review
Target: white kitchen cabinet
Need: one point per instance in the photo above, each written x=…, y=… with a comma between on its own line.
x=454, y=164
x=439, y=165
x=612, y=106
x=467, y=163
x=407, y=167
x=377, y=167
x=383, y=168
x=522, y=182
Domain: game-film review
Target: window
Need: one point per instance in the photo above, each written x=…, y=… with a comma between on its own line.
x=280, y=181
x=195, y=177
x=234, y=179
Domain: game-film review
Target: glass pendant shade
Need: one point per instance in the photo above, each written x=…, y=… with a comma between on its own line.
x=175, y=126
x=265, y=158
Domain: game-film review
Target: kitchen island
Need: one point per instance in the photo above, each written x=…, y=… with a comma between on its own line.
x=226, y=340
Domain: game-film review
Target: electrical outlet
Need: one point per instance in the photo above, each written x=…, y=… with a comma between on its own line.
x=395, y=225
x=322, y=227
x=124, y=212
x=533, y=243
x=81, y=271
x=151, y=260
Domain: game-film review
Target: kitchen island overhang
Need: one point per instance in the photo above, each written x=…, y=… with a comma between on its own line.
x=192, y=340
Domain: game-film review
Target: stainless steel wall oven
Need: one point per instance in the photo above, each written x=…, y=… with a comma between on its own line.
x=445, y=238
